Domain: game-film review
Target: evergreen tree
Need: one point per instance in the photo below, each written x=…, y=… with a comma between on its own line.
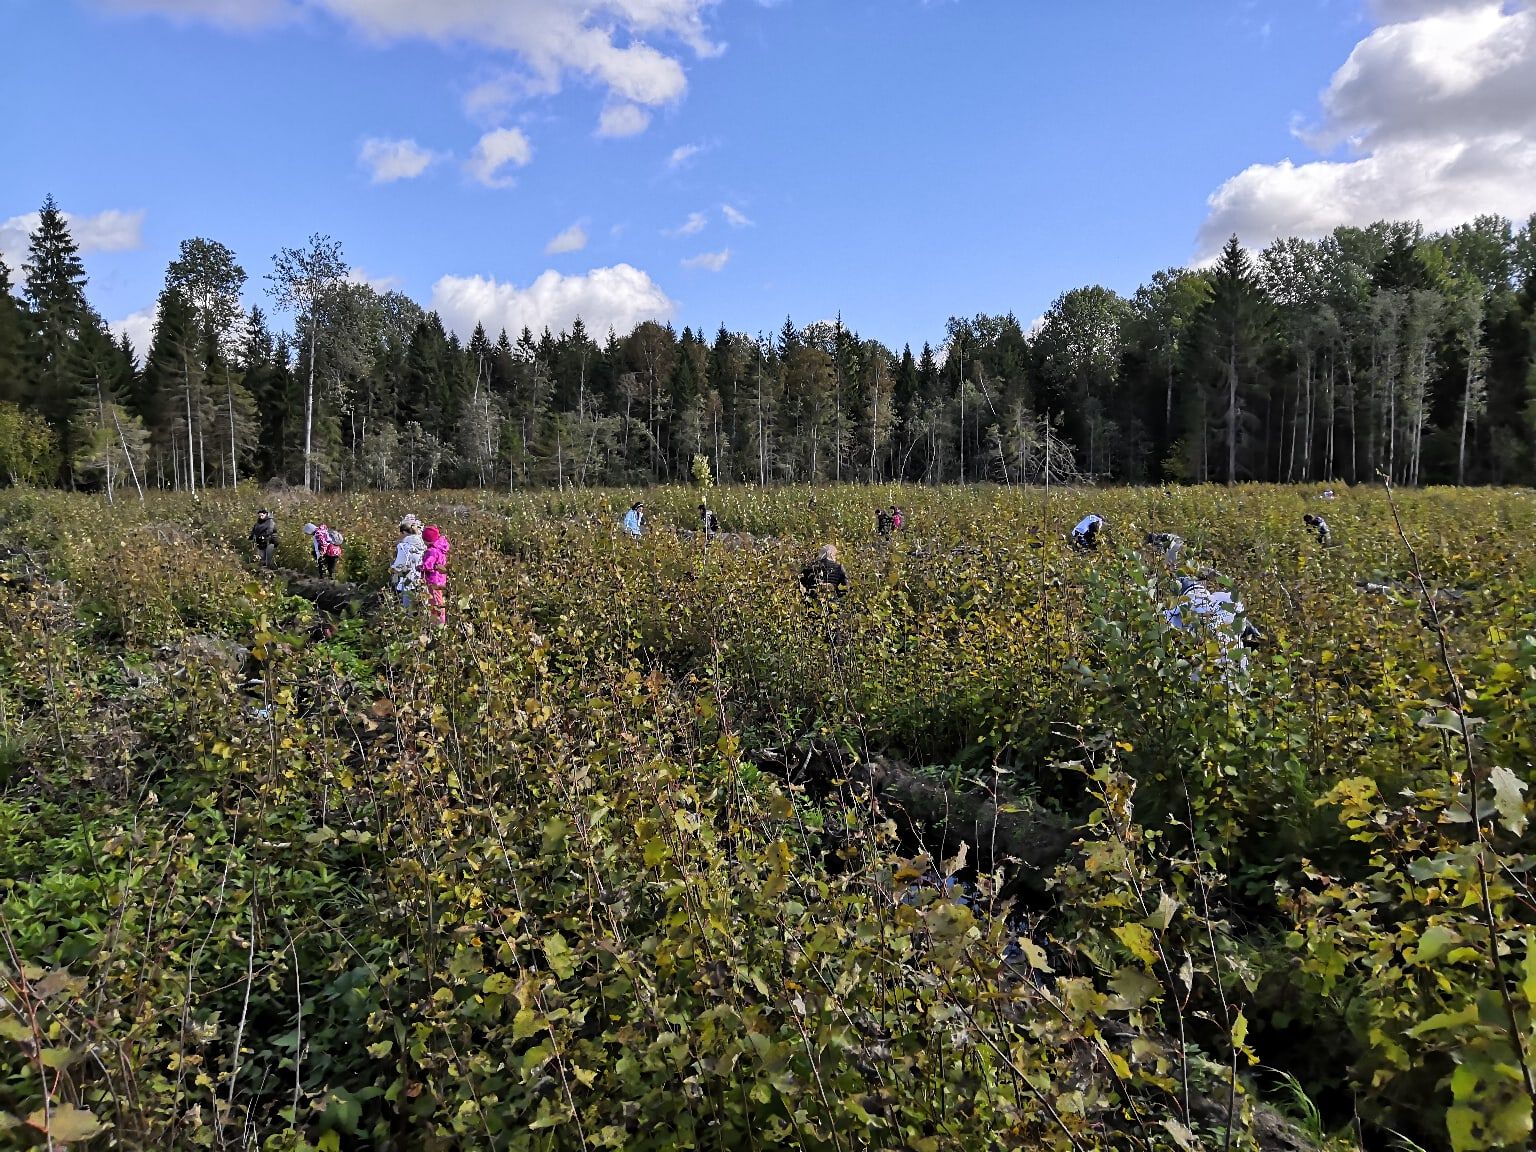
x=14, y=331
x=55, y=290
x=1235, y=324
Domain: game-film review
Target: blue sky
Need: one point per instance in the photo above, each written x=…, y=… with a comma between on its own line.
x=736, y=161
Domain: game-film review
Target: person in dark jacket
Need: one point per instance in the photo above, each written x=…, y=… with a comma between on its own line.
x=264, y=537
x=709, y=523
x=824, y=572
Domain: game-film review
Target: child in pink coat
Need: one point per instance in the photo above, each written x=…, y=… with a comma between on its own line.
x=434, y=569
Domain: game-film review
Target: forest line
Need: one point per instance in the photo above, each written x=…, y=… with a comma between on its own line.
x=1379, y=350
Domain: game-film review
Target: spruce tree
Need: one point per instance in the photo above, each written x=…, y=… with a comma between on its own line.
x=13, y=341
x=55, y=280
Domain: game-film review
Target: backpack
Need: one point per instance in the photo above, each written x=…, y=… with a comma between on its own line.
x=332, y=545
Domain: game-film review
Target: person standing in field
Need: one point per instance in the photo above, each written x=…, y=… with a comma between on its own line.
x=1085, y=537
x=898, y=520
x=709, y=523
x=434, y=570
x=1318, y=525
x=634, y=520
x=264, y=537
x=406, y=569
x=325, y=543
x=824, y=572
x=882, y=524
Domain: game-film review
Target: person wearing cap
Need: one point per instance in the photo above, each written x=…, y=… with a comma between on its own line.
x=634, y=519
x=1085, y=537
x=264, y=537
x=406, y=569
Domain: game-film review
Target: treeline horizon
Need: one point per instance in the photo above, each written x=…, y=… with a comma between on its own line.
x=1382, y=350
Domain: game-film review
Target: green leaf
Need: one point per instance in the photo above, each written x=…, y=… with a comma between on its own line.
x=498, y=984
x=1435, y=940
x=558, y=953
x=1460, y=1123
x=1159, y=920
x=1134, y=986
x=1509, y=798
x=1444, y=1021
x=526, y=1023
x=555, y=830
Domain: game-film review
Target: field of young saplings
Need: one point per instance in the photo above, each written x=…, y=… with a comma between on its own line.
x=646, y=848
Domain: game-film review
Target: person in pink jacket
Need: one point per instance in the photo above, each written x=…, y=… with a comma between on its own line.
x=434, y=569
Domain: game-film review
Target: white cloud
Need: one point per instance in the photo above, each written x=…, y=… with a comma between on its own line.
x=226, y=13
x=109, y=231
x=619, y=297
x=709, y=261
x=689, y=227
x=610, y=43
x=573, y=239
x=1437, y=106
x=391, y=160
x=682, y=154
x=356, y=275
x=623, y=120
x=139, y=327
x=735, y=217
x=495, y=150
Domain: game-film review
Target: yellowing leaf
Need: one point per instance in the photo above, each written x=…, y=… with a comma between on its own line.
x=1138, y=941
x=66, y=1124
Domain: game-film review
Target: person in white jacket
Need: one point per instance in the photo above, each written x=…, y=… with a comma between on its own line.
x=1216, y=613
x=406, y=570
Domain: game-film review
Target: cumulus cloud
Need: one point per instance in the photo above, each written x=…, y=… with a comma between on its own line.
x=689, y=227
x=619, y=297
x=623, y=120
x=495, y=150
x=139, y=327
x=1437, y=108
x=391, y=160
x=709, y=261
x=610, y=43
x=735, y=217
x=109, y=231
x=573, y=239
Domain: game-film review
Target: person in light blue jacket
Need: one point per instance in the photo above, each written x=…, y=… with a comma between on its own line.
x=634, y=519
